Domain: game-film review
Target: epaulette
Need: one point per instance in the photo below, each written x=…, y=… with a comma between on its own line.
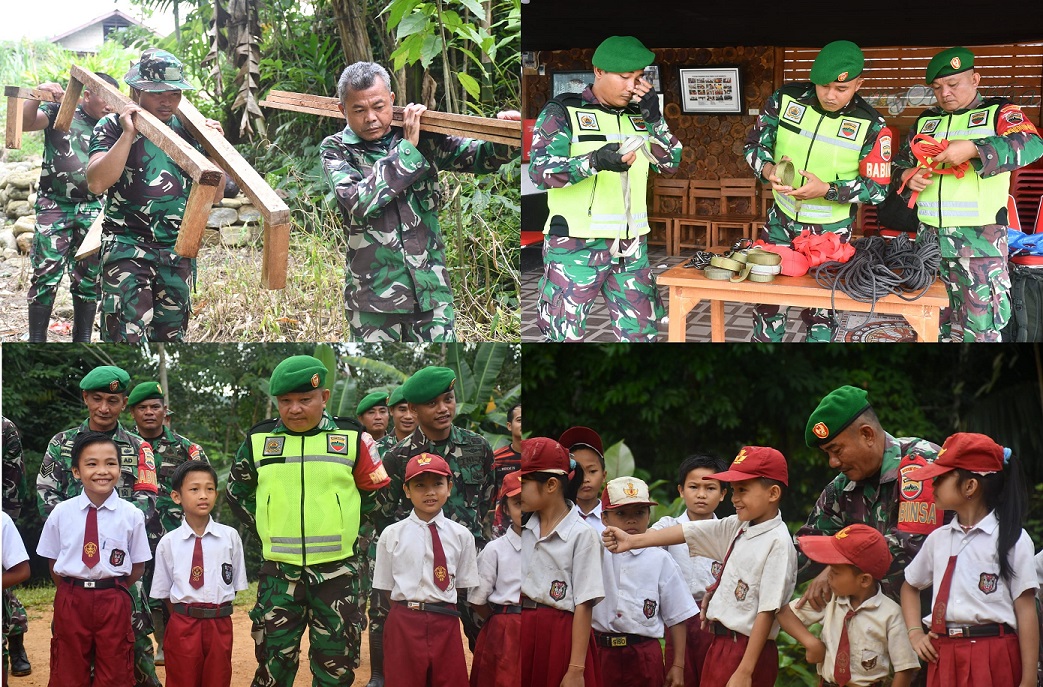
x=349, y=423
x=264, y=426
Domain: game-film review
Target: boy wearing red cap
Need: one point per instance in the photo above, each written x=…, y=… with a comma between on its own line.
x=863, y=633
x=758, y=572
x=584, y=447
x=644, y=592
x=421, y=561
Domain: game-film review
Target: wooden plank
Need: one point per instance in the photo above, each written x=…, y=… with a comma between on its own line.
x=193, y=224
x=13, y=138
x=31, y=94
x=92, y=241
x=69, y=103
x=275, y=256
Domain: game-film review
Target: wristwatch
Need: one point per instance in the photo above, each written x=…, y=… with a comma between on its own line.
x=833, y=193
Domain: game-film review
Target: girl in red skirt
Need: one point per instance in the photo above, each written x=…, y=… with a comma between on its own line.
x=983, y=624
x=561, y=573
x=497, y=597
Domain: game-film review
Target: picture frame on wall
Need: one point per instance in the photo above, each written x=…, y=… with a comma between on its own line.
x=570, y=82
x=651, y=75
x=711, y=90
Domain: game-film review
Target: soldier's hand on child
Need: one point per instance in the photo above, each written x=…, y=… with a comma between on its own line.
x=127, y=120
x=52, y=87
x=411, y=122
x=818, y=592
x=615, y=540
x=922, y=644
x=815, y=653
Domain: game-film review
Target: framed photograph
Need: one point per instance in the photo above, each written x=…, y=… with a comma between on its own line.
x=711, y=90
x=570, y=82
x=651, y=75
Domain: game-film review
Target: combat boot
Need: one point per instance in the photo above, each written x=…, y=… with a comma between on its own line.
x=39, y=321
x=20, y=666
x=158, y=626
x=376, y=659
x=83, y=315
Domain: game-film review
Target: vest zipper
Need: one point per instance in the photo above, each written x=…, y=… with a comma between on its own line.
x=619, y=132
x=304, y=543
x=807, y=159
x=948, y=128
x=590, y=207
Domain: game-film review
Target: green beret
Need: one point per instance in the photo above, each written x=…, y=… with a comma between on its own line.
x=377, y=398
x=834, y=413
x=143, y=392
x=428, y=383
x=106, y=378
x=621, y=54
x=949, y=62
x=296, y=375
x=838, y=61
x=396, y=396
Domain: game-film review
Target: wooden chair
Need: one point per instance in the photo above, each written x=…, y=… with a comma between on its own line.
x=669, y=201
x=695, y=224
x=734, y=190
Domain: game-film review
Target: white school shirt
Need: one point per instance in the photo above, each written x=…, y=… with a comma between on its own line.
x=877, y=637
x=760, y=574
x=645, y=592
x=121, y=538
x=14, y=550
x=499, y=572
x=978, y=594
x=406, y=559
x=698, y=571
x=224, y=567
x=1039, y=575
x=562, y=569
x=593, y=518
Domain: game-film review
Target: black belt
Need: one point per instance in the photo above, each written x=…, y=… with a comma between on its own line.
x=972, y=631
x=203, y=610
x=722, y=631
x=526, y=602
x=104, y=583
x=619, y=640
x=430, y=607
x=505, y=608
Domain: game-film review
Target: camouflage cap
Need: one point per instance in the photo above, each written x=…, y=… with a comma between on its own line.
x=620, y=54
x=297, y=374
x=428, y=383
x=377, y=398
x=108, y=378
x=834, y=413
x=158, y=70
x=948, y=62
x=838, y=61
x=143, y=392
x=396, y=396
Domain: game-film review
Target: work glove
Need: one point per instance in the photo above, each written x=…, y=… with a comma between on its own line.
x=649, y=105
x=607, y=159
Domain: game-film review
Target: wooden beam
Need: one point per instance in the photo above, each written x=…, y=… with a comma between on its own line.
x=31, y=94
x=69, y=102
x=193, y=223
x=13, y=138
x=276, y=252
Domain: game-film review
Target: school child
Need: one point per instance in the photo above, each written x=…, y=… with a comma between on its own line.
x=983, y=628
x=97, y=548
x=561, y=573
x=199, y=568
x=863, y=633
x=701, y=497
x=15, y=564
x=644, y=592
x=758, y=568
x=422, y=561
x=584, y=447
x=497, y=597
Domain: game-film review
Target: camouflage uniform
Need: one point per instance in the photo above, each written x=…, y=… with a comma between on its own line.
x=576, y=270
x=145, y=284
x=974, y=259
x=56, y=483
x=65, y=209
x=769, y=324
x=15, y=496
x=397, y=285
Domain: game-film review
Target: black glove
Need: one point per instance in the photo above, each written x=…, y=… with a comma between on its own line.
x=607, y=159
x=649, y=104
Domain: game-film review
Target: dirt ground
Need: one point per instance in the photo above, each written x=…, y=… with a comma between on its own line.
x=37, y=646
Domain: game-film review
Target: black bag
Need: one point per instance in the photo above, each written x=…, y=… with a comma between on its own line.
x=1026, y=304
x=895, y=213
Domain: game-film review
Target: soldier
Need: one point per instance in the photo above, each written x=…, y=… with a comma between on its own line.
x=372, y=413
x=15, y=496
x=104, y=392
x=969, y=214
x=597, y=197
x=845, y=150
x=144, y=283
x=148, y=407
x=386, y=181
x=508, y=458
x=65, y=210
x=310, y=576
x=403, y=421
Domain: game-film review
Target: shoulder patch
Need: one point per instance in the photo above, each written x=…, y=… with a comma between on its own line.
x=794, y=112
x=930, y=126
x=978, y=118
x=588, y=121
x=638, y=122
x=849, y=129
x=273, y=446
x=917, y=513
x=337, y=443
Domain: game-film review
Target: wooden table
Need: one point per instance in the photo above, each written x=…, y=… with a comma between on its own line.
x=688, y=286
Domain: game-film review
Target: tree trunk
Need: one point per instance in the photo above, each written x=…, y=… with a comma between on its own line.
x=351, y=16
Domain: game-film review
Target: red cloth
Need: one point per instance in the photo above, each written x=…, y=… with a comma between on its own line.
x=979, y=662
x=423, y=649
x=198, y=651
x=640, y=665
x=794, y=264
x=546, y=647
x=698, y=643
x=496, y=655
x=725, y=655
x=822, y=248
x=91, y=624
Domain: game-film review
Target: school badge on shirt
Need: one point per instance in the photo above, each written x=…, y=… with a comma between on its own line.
x=988, y=582
x=740, y=591
x=116, y=557
x=558, y=589
x=226, y=573
x=649, y=608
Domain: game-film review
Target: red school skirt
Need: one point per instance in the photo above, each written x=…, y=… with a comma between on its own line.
x=725, y=655
x=546, y=647
x=696, y=646
x=978, y=662
x=497, y=652
x=634, y=665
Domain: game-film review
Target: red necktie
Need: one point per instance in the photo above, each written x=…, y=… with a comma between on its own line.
x=196, y=578
x=941, y=601
x=717, y=581
x=842, y=663
x=90, y=539
x=441, y=572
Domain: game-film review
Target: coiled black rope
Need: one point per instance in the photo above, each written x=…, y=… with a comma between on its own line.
x=881, y=267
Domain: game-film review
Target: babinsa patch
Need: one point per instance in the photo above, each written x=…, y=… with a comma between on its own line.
x=558, y=589
x=226, y=573
x=649, y=608
x=116, y=557
x=987, y=582
x=337, y=443
x=273, y=446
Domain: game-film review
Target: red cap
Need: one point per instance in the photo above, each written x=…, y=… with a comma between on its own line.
x=511, y=484
x=543, y=454
x=755, y=461
x=427, y=462
x=859, y=545
x=974, y=452
x=581, y=435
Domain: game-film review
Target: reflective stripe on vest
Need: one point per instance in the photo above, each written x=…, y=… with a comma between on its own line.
x=972, y=201
x=594, y=207
x=828, y=147
x=308, y=507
